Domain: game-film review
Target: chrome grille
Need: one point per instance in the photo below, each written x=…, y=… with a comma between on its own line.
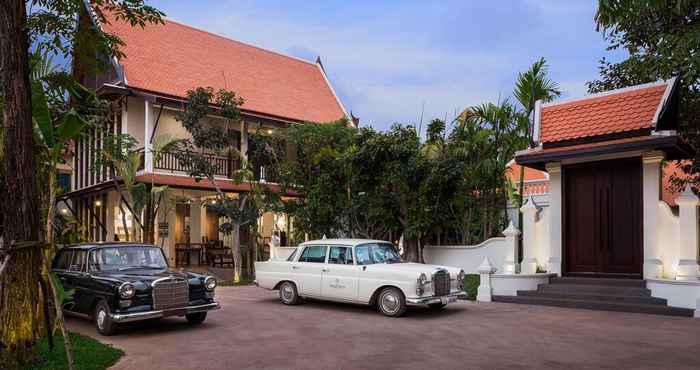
x=170, y=293
x=441, y=283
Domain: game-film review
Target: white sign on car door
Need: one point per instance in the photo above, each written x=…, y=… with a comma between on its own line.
x=340, y=275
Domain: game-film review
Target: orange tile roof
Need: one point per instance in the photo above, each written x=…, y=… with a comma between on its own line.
x=611, y=112
x=536, y=182
x=172, y=58
x=668, y=193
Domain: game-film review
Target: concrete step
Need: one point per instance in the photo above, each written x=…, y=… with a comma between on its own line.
x=598, y=305
x=599, y=281
x=595, y=297
x=594, y=289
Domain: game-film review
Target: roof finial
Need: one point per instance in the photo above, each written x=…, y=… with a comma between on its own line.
x=318, y=61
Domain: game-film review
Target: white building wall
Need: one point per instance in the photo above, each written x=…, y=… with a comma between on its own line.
x=136, y=119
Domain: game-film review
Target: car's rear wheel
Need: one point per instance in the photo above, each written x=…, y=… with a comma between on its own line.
x=196, y=318
x=391, y=302
x=289, y=294
x=103, y=322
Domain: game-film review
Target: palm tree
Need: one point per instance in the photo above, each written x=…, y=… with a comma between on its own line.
x=507, y=130
x=531, y=86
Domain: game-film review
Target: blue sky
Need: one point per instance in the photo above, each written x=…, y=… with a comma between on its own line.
x=388, y=58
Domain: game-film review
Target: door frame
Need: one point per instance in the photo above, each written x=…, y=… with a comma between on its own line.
x=565, y=221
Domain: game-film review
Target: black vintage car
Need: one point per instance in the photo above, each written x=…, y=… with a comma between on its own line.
x=113, y=283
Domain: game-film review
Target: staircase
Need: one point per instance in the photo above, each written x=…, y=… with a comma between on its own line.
x=622, y=295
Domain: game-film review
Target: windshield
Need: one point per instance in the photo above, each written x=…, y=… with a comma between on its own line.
x=127, y=258
x=372, y=253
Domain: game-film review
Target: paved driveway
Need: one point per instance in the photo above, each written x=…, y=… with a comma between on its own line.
x=254, y=331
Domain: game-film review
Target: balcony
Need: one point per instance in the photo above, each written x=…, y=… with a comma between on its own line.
x=224, y=166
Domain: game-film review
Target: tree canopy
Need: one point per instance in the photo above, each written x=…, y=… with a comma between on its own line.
x=662, y=38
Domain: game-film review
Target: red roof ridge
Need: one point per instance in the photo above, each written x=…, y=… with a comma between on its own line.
x=227, y=38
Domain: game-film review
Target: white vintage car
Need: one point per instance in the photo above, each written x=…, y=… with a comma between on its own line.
x=359, y=271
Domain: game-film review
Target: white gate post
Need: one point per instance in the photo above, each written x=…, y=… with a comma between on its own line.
x=651, y=185
x=688, y=235
x=483, y=293
x=529, y=264
x=511, y=265
x=555, y=217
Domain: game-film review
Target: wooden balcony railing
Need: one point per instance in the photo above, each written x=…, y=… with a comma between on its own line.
x=223, y=166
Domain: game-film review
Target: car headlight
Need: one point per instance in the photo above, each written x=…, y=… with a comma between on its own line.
x=422, y=280
x=209, y=283
x=127, y=290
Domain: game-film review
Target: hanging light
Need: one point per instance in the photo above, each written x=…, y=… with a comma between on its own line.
x=98, y=203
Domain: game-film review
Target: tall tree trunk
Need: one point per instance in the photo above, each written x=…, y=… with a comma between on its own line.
x=20, y=308
x=236, y=251
x=124, y=225
x=410, y=249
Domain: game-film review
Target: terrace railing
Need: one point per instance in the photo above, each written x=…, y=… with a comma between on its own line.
x=224, y=166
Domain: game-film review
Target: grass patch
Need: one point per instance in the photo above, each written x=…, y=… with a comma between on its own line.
x=88, y=354
x=471, y=284
x=244, y=281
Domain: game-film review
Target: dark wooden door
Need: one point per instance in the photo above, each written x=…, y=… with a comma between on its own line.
x=603, y=218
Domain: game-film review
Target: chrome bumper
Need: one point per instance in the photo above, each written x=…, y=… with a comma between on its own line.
x=423, y=301
x=138, y=316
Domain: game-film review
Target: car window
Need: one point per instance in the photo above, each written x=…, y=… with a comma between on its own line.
x=363, y=255
x=62, y=261
x=78, y=260
x=127, y=258
x=291, y=256
x=315, y=254
x=371, y=253
x=340, y=256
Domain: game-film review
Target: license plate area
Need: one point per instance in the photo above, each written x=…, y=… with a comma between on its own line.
x=446, y=300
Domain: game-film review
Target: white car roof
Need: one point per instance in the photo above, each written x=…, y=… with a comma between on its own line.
x=350, y=242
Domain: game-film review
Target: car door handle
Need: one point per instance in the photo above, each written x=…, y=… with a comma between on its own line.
x=325, y=269
x=295, y=267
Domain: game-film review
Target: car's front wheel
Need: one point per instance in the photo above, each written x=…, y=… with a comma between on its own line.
x=196, y=318
x=289, y=294
x=103, y=322
x=391, y=302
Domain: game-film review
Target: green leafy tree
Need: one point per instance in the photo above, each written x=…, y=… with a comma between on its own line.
x=240, y=209
x=507, y=130
x=662, y=38
x=391, y=162
x=319, y=174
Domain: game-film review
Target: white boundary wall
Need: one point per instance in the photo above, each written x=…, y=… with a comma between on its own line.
x=468, y=257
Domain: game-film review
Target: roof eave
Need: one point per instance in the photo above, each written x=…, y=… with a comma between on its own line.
x=537, y=158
